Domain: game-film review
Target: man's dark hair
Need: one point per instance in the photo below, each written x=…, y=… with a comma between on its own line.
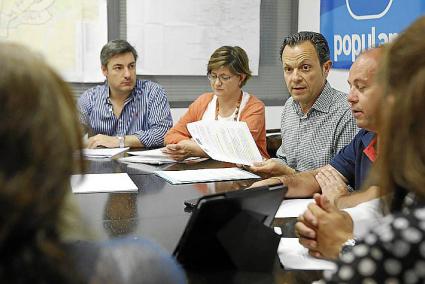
x=318, y=40
x=114, y=47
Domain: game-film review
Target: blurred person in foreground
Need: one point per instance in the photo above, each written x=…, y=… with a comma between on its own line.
x=40, y=135
x=394, y=251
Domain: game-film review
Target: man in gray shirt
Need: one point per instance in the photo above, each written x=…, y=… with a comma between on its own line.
x=316, y=120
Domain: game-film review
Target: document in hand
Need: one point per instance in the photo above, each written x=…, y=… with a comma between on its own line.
x=227, y=141
x=103, y=152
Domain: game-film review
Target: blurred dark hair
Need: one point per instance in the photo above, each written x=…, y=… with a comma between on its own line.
x=115, y=47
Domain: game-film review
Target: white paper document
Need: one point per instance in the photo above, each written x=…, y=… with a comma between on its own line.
x=293, y=207
x=103, y=152
x=293, y=255
x=155, y=153
x=147, y=160
x=226, y=141
x=205, y=175
x=155, y=156
x=90, y=183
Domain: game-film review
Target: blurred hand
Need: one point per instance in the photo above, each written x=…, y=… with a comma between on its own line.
x=103, y=141
x=332, y=184
x=322, y=229
x=183, y=150
x=225, y=186
x=270, y=168
x=305, y=229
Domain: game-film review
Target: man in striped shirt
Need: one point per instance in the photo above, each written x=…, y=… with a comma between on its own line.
x=124, y=111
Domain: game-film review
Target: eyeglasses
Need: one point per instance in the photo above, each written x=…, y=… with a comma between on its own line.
x=222, y=78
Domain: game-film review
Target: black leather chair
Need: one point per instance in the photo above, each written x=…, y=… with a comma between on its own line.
x=273, y=141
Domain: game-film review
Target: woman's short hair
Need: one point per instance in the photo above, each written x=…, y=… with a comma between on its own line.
x=232, y=57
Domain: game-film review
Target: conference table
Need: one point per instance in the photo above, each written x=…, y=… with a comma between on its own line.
x=157, y=212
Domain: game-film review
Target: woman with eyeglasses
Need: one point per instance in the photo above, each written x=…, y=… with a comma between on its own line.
x=228, y=71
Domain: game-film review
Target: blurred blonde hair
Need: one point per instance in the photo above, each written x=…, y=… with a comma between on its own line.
x=401, y=163
x=39, y=134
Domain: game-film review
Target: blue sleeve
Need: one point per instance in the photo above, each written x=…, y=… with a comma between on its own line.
x=159, y=117
x=345, y=161
x=85, y=106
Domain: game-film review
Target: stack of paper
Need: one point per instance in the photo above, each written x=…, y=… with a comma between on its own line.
x=147, y=160
x=103, y=152
x=156, y=157
x=117, y=182
x=205, y=175
x=293, y=207
x=227, y=141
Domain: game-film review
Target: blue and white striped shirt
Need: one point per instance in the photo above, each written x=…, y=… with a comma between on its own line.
x=146, y=113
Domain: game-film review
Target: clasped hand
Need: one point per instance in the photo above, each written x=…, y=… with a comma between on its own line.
x=323, y=228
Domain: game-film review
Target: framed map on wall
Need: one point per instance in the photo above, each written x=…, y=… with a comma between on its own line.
x=68, y=33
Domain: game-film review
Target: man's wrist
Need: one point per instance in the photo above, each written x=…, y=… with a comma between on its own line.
x=278, y=179
x=339, y=202
x=282, y=169
x=290, y=171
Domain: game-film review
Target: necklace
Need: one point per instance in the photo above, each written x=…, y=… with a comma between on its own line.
x=238, y=104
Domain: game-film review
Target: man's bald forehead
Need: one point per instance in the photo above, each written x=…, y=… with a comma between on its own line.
x=374, y=52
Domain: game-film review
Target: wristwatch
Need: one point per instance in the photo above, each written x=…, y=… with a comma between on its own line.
x=121, y=142
x=347, y=246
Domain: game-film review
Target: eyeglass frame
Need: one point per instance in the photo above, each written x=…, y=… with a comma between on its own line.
x=220, y=78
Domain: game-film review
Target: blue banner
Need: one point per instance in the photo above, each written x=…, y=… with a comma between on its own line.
x=351, y=26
